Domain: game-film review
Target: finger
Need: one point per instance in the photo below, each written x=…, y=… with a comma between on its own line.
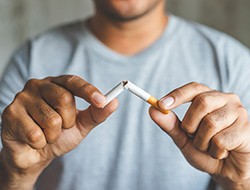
x=231, y=138
x=62, y=101
x=88, y=119
x=182, y=95
x=171, y=125
x=202, y=105
x=218, y=152
x=22, y=129
x=212, y=124
x=79, y=87
x=47, y=118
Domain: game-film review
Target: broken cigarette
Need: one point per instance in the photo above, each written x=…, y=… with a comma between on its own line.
x=118, y=89
x=112, y=94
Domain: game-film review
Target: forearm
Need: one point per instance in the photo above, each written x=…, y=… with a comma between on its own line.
x=12, y=179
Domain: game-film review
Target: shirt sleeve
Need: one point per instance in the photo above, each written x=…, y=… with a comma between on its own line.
x=14, y=77
x=239, y=74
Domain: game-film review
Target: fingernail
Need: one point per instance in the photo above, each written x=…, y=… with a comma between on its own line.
x=166, y=102
x=98, y=98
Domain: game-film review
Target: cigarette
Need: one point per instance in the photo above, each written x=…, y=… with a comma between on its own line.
x=143, y=95
x=112, y=94
x=118, y=89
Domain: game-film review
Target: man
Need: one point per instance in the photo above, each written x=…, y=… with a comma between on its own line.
x=46, y=135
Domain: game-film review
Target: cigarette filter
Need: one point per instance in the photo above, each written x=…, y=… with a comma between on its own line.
x=143, y=95
x=118, y=89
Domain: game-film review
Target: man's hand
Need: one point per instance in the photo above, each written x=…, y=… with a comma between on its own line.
x=214, y=135
x=42, y=123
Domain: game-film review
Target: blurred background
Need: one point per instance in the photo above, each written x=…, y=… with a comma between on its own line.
x=22, y=19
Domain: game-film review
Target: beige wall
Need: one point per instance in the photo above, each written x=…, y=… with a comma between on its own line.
x=20, y=19
x=230, y=16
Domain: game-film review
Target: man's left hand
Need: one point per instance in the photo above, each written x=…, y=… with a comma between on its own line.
x=214, y=135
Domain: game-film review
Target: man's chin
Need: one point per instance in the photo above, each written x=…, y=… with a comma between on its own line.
x=124, y=17
x=125, y=11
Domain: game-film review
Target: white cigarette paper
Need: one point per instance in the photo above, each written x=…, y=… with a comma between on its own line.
x=118, y=89
x=112, y=94
x=137, y=91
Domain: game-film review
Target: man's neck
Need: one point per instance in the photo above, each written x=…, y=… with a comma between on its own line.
x=132, y=37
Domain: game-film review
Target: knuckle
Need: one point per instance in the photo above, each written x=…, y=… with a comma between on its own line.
x=197, y=86
x=180, y=93
x=218, y=142
x=66, y=99
x=68, y=125
x=21, y=96
x=70, y=120
x=234, y=97
x=194, y=84
x=9, y=112
x=35, y=136
x=243, y=113
x=31, y=83
x=51, y=136
x=54, y=121
x=68, y=78
x=209, y=122
x=201, y=102
x=215, y=155
x=87, y=88
x=48, y=78
x=9, y=115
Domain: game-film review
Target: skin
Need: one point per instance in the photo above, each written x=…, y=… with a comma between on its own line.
x=213, y=135
x=42, y=122
x=135, y=24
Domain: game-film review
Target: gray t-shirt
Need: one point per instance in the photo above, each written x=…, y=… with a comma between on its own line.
x=128, y=151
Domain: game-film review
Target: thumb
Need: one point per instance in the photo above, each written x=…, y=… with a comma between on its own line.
x=171, y=125
x=89, y=118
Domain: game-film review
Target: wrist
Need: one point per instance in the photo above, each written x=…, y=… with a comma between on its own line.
x=225, y=184
x=239, y=186
x=12, y=178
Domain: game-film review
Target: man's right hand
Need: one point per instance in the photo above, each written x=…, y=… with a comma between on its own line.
x=42, y=123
